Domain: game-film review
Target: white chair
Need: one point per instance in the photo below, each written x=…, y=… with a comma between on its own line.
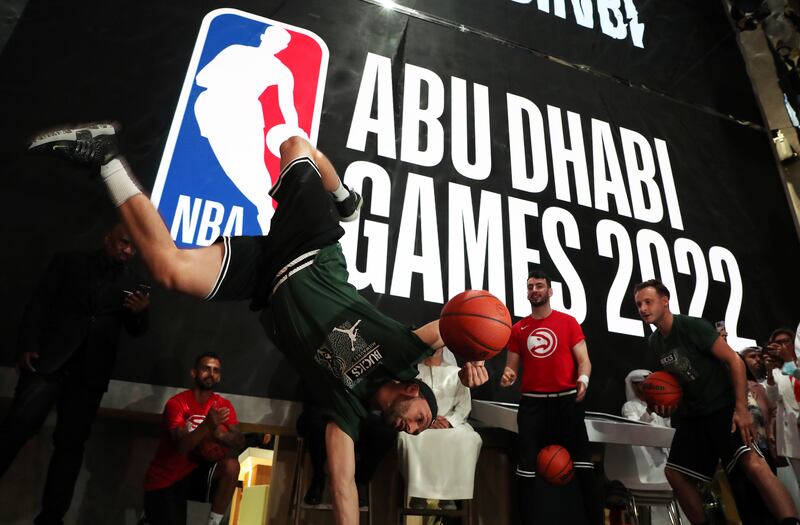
x=647, y=487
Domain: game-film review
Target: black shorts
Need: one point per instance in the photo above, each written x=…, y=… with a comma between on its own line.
x=701, y=442
x=167, y=506
x=551, y=421
x=305, y=220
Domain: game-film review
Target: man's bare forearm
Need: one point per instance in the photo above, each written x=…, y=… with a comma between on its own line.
x=345, y=501
x=341, y=469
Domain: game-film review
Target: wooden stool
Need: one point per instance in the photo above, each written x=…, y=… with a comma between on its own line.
x=299, y=487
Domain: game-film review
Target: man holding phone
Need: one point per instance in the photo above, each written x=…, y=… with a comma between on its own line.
x=66, y=353
x=783, y=389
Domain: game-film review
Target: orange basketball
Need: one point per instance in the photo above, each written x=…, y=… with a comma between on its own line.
x=554, y=465
x=475, y=325
x=212, y=450
x=662, y=389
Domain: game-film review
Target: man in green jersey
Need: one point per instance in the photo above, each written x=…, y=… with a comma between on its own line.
x=716, y=423
x=355, y=358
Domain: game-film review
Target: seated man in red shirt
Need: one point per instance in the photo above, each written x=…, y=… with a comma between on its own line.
x=178, y=471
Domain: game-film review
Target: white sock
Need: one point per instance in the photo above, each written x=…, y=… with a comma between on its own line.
x=340, y=193
x=214, y=518
x=119, y=183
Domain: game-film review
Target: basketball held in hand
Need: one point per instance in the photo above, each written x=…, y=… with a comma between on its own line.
x=554, y=465
x=210, y=449
x=662, y=389
x=475, y=325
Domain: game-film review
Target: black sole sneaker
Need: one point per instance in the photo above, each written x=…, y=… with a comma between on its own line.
x=350, y=207
x=93, y=144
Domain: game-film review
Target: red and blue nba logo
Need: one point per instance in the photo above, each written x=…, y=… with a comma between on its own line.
x=252, y=83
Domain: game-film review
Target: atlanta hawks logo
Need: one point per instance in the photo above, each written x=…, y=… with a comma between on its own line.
x=542, y=342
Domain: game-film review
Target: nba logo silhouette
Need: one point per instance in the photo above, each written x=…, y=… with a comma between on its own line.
x=252, y=83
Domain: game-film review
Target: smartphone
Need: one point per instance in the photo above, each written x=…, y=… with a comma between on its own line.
x=143, y=289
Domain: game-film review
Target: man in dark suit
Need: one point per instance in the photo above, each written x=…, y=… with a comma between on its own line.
x=66, y=352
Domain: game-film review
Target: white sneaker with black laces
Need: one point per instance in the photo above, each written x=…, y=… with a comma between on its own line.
x=93, y=144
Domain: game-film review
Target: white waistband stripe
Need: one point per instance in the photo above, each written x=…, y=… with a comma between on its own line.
x=294, y=266
x=554, y=394
x=223, y=268
x=686, y=471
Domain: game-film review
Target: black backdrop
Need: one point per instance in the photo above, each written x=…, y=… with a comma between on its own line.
x=127, y=60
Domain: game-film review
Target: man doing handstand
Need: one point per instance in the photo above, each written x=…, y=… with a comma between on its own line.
x=300, y=271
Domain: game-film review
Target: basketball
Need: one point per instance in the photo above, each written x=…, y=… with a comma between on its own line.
x=662, y=389
x=554, y=465
x=212, y=450
x=475, y=325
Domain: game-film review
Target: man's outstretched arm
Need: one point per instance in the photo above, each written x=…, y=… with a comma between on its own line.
x=342, y=472
x=742, y=419
x=429, y=334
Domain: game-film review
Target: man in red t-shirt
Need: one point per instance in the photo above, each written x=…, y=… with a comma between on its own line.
x=555, y=376
x=178, y=472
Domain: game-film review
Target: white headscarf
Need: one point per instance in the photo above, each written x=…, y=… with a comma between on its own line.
x=634, y=376
x=797, y=341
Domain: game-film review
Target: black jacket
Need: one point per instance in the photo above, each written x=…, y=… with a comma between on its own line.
x=76, y=314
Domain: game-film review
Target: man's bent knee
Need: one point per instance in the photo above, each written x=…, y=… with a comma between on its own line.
x=167, y=274
x=670, y=475
x=674, y=477
x=294, y=148
x=192, y=272
x=229, y=468
x=753, y=464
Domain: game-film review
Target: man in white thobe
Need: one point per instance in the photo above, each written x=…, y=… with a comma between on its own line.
x=439, y=463
x=650, y=461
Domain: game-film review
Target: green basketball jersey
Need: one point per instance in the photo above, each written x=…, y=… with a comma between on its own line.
x=686, y=353
x=341, y=345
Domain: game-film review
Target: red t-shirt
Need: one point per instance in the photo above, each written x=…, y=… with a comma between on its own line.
x=545, y=350
x=182, y=410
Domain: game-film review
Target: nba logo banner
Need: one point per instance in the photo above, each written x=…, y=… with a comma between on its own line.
x=252, y=83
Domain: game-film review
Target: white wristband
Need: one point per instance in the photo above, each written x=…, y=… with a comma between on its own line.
x=584, y=379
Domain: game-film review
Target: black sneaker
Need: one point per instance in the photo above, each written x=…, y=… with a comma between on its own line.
x=313, y=496
x=349, y=208
x=93, y=144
